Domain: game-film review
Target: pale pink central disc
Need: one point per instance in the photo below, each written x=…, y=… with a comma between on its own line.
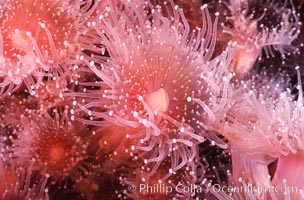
x=158, y=101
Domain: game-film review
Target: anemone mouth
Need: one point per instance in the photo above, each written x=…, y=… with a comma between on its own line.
x=158, y=101
x=54, y=153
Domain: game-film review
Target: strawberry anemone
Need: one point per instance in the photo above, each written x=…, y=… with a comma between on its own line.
x=161, y=84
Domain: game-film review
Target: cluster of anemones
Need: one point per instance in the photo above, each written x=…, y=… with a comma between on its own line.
x=119, y=99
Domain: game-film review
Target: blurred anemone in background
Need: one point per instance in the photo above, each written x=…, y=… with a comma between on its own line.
x=248, y=27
